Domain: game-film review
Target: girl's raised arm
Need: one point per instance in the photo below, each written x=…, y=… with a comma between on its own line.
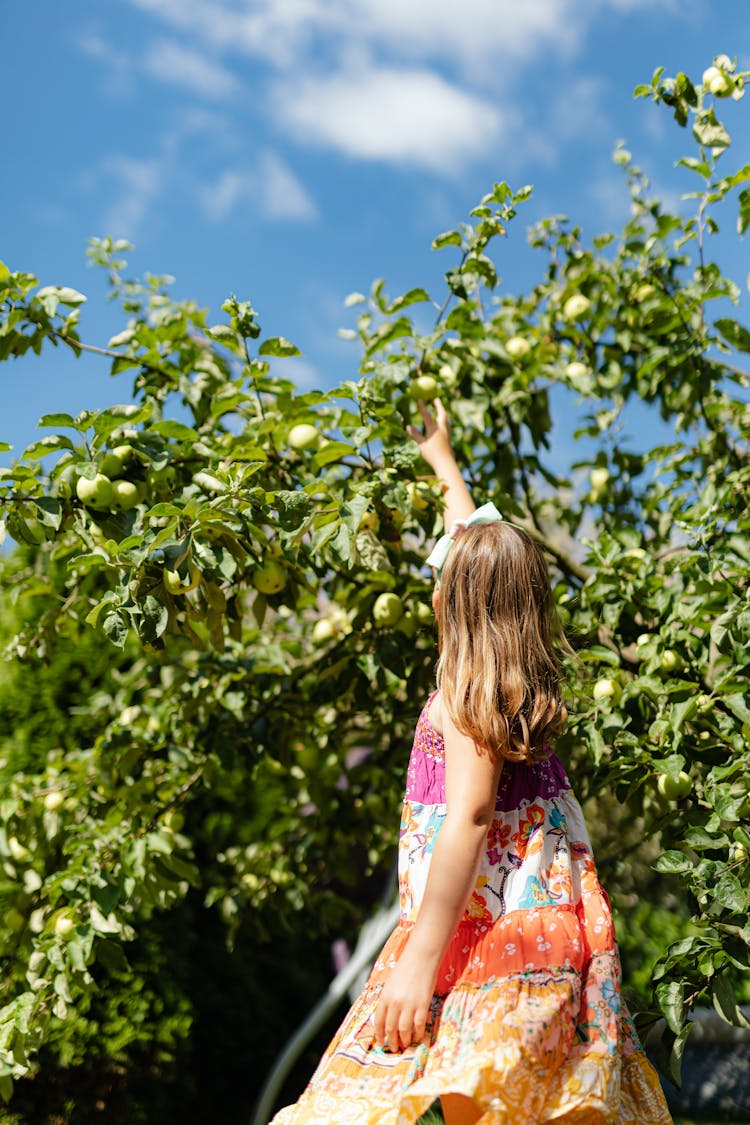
x=435, y=446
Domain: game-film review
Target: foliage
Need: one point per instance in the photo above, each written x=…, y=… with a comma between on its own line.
x=252, y=728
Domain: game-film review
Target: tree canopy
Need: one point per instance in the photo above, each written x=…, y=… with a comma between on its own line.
x=198, y=578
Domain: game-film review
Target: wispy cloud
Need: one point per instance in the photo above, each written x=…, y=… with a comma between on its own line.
x=271, y=190
x=384, y=113
x=480, y=35
x=168, y=61
x=415, y=82
x=137, y=184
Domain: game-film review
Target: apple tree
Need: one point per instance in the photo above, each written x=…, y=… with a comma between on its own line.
x=252, y=556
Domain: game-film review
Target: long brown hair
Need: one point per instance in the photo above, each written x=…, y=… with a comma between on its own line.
x=498, y=672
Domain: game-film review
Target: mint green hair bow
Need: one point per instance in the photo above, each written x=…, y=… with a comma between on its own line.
x=488, y=513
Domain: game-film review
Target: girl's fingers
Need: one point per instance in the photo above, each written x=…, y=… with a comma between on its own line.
x=379, y=1022
x=420, y=1025
x=391, y=1033
x=415, y=434
x=406, y=1029
x=426, y=415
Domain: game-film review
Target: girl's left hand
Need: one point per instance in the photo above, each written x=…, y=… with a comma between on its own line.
x=404, y=1005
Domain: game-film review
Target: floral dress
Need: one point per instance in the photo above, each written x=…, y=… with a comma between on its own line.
x=526, y=1018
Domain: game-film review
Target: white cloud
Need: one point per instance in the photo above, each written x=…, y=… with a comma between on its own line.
x=118, y=67
x=284, y=196
x=170, y=62
x=481, y=34
x=405, y=116
x=138, y=183
x=271, y=190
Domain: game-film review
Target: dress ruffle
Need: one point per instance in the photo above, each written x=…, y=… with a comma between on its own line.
x=527, y=1018
x=531, y=1045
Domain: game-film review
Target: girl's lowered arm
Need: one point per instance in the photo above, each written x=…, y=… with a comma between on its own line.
x=435, y=446
x=471, y=781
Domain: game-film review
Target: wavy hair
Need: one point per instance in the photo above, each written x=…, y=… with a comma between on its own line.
x=498, y=672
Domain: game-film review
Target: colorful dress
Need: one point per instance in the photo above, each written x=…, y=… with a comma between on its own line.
x=526, y=1018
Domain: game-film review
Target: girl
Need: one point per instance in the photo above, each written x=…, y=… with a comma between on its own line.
x=499, y=990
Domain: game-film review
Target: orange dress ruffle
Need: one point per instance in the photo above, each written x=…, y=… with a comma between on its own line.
x=527, y=1018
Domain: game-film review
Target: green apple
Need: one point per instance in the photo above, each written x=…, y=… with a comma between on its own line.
x=96, y=493
x=424, y=613
x=670, y=660
x=738, y=853
x=65, y=482
x=424, y=388
x=269, y=578
x=517, y=347
x=14, y=920
x=65, y=925
x=599, y=479
x=114, y=460
x=173, y=820
x=125, y=494
x=634, y=553
x=607, y=689
x=407, y=624
x=644, y=292
x=418, y=493
x=721, y=85
x=673, y=789
x=18, y=851
x=370, y=520
x=176, y=583
x=54, y=800
x=303, y=436
x=643, y=639
x=577, y=370
x=387, y=609
x=576, y=307
x=324, y=630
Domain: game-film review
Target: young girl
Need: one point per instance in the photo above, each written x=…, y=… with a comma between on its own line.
x=499, y=990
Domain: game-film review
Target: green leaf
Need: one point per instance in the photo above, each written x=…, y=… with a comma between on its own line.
x=710, y=132
x=46, y=445
x=155, y=619
x=599, y=653
x=278, y=346
x=701, y=840
x=170, y=428
x=738, y=705
x=68, y=296
x=58, y=420
x=48, y=511
x=332, y=451
x=743, y=218
x=116, y=629
x=449, y=238
x=724, y=1001
x=671, y=999
x=734, y=333
x=412, y=297
x=729, y=893
x=673, y=863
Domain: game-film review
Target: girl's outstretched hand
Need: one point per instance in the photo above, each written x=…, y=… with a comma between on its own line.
x=435, y=443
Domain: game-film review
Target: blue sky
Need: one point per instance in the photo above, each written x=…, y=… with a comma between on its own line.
x=293, y=150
